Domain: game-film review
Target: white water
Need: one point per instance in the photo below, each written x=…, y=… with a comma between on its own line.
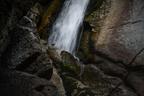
x=65, y=29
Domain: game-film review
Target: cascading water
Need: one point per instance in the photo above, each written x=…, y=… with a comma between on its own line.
x=65, y=29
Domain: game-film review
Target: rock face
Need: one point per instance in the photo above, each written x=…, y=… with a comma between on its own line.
x=115, y=41
x=83, y=80
x=26, y=68
x=16, y=83
x=23, y=41
x=120, y=30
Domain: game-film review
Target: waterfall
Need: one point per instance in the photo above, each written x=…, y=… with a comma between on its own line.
x=65, y=29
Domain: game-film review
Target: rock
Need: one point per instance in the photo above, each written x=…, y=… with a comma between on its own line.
x=48, y=17
x=94, y=4
x=4, y=39
x=135, y=79
x=120, y=29
x=54, y=54
x=70, y=64
x=75, y=87
x=93, y=82
x=83, y=80
x=5, y=20
x=24, y=42
x=41, y=67
x=138, y=59
x=116, y=42
x=84, y=52
x=11, y=12
x=122, y=90
x=111, y=68
x=28, y=54
x=57, y=81
x=23, y=84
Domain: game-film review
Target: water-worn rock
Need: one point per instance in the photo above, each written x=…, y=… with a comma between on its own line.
x=54, y=54
x=26, y=52
x=116, y=40
x=24, y=42
x=17, y=83
x=120, y=30
x=11, y=11
x=42, y=66
x=57, y=81
x=136, y=80
x=48, y=16
x=111, y=68
x=83, y=80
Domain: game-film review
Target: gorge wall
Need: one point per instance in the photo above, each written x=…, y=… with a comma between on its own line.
x=110, y=53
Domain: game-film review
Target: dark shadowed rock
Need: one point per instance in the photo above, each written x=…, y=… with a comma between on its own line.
x=111, y=68
x=23, y=84
x=42, y=67
x=83, y=80
x=136, y=80
x=24, y=41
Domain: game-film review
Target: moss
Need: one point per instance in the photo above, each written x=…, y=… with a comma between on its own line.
x=91, y=82
x=70, y=69
x=75, y=87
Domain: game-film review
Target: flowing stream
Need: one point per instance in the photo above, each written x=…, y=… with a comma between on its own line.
x=66, y=28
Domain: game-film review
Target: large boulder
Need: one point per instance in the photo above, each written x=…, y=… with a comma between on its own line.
x=118, y=30
x=116, y=40
x=16, y=83
x=24, y=43
x=27, y=54
x=83, y=80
